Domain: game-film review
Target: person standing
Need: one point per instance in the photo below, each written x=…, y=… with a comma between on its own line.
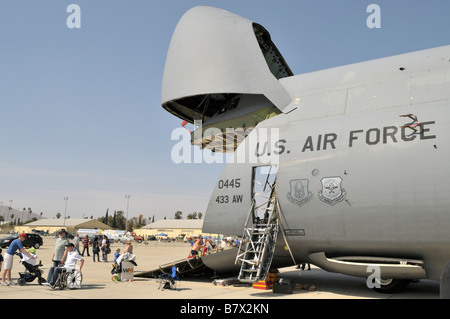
x=76, y=243
x=58, y=252
x=224, y=245
x=15, y=245
x=95, y=249
x=105, y=248
x=85, y=245
x=208, y=246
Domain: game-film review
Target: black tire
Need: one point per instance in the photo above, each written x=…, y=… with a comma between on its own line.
x=392, y=285
x=41, y=281
x=37, y=245
x=21, y=281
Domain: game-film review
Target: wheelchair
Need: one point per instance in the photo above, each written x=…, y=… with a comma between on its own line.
x=69, y=277
x=169, y=281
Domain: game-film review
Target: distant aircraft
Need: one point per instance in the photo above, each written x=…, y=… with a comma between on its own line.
x=324, y=170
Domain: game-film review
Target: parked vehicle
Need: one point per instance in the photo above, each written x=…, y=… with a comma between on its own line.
x=131, y=237
x=125, y=238
x=33, y=240
x=138, y=238
x=40, y=232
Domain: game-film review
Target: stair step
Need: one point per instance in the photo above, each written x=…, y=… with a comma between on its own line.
x=260, y=241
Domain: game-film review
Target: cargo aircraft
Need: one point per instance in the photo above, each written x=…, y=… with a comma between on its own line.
x=345, y=168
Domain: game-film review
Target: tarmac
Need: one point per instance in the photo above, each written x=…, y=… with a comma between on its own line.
x=98, y=285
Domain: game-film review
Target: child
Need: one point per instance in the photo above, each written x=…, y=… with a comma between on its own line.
x=31, y=261
x=116, y=255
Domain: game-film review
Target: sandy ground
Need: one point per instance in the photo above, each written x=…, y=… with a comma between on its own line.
x=97, y=283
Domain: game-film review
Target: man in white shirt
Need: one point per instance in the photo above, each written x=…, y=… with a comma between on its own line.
x=71, y=257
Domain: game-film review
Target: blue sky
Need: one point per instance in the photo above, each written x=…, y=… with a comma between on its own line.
x=80, y=109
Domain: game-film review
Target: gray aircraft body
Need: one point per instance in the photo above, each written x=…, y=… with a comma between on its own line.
x=356, y=156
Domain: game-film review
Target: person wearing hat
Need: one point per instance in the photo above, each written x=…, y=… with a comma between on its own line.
x=59, y=251
x=71, y=256
x=13, y=247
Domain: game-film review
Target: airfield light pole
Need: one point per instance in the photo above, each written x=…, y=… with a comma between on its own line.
x=126, y=223
x=65, y=210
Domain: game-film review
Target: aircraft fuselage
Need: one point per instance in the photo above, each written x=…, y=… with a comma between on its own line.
x=361, y=151
x=371, y=184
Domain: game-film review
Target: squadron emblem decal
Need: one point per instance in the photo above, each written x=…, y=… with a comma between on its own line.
x=299, y=193
x=332, y=191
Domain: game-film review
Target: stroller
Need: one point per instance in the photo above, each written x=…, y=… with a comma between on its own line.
x=32, y=270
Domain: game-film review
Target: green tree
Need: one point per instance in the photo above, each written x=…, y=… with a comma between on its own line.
x=114, y=221
x=192, y=216
x=178, y=215
x=106, y=217
x=136, y=222
x=119, y=218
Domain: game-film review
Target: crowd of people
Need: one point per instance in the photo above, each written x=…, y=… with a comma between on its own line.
x=200, y=247
x=99, y=244
x=65, y=254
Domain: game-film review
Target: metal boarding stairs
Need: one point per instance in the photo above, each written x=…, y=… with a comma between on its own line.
x=258, y=242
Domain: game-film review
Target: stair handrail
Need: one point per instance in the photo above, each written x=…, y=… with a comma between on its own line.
x=250, y=213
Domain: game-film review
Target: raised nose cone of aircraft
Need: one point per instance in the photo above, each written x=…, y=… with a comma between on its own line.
x=213, y=51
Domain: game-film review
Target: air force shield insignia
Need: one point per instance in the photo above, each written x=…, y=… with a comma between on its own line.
x=299, y=193
x=332, y=191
